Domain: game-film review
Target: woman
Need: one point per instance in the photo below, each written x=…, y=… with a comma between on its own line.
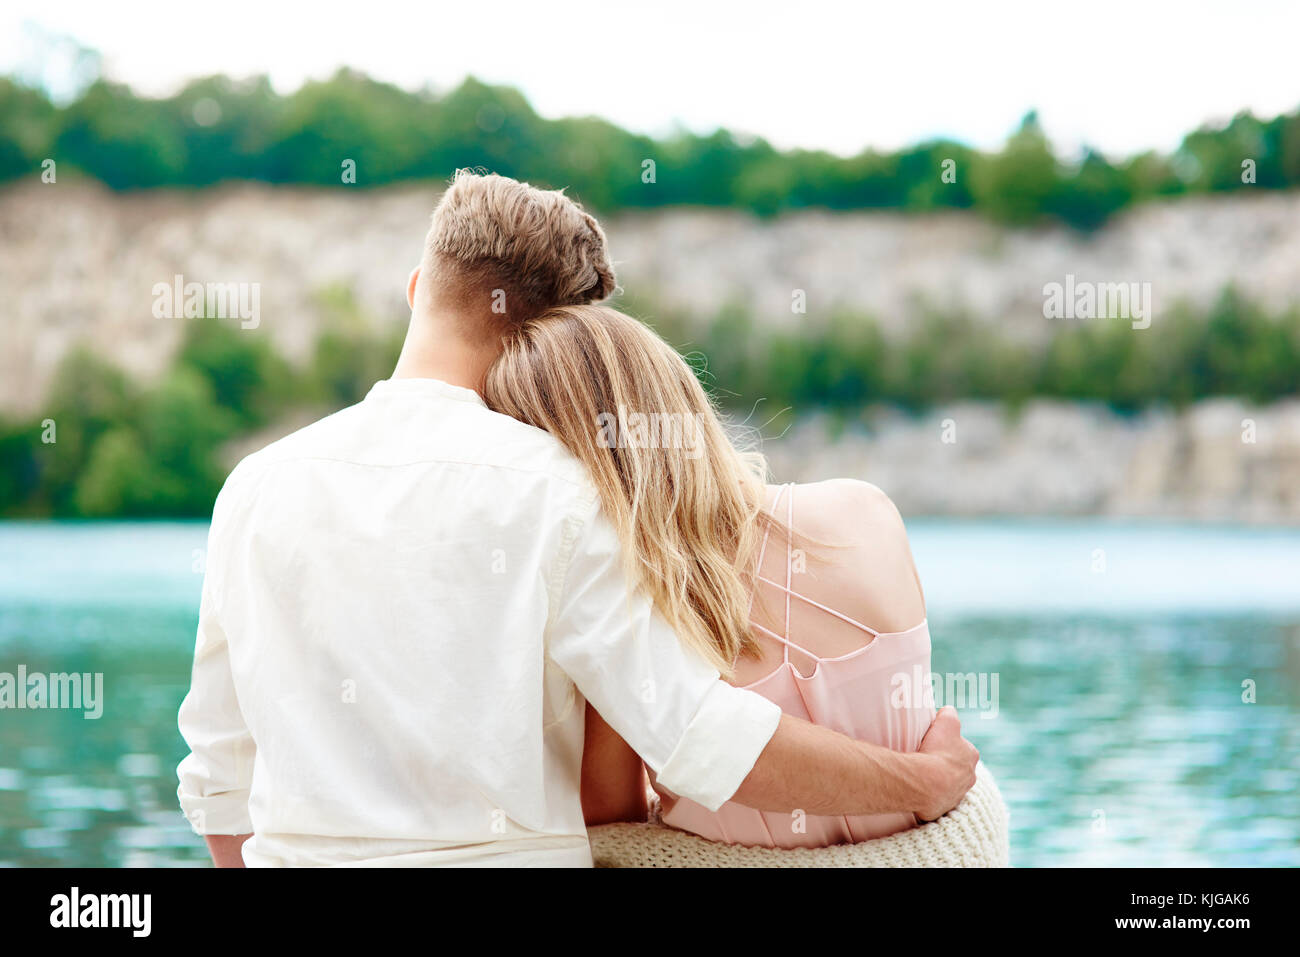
x=806, y=594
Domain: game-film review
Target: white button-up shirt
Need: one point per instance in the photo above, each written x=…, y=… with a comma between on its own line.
x=405, y=606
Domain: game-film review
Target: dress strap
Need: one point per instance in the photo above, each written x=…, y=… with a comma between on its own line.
x=816, y=604
x=762, y=551
x=785, y=639
x=789, y=568
x=788, y=588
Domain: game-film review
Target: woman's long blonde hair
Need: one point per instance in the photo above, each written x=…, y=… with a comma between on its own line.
x=687, y=505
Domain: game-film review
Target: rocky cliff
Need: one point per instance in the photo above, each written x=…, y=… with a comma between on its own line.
x=80, y=263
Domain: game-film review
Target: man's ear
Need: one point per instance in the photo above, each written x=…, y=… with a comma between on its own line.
x=410, y=286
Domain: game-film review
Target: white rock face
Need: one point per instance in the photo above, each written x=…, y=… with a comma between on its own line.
x=1064, y=459
x=893, y=266
x=79, y=262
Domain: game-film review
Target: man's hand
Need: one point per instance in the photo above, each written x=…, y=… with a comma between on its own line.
x=952, y=764
x=821, y=771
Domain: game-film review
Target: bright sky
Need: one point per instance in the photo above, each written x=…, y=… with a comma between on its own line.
x=1122, y=76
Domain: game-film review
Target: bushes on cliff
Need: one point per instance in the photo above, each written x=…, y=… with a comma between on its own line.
x=125, y=450
x=846, y=362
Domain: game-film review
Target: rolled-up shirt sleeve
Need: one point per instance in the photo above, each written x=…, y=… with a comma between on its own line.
x=216, y=775
x=700, y=735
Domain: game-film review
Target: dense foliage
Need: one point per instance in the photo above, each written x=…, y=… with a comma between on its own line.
x=219, y=129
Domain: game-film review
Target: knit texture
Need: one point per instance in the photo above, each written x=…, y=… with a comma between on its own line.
x=973, y=834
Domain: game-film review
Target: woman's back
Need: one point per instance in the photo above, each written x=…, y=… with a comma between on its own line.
x=840, y=617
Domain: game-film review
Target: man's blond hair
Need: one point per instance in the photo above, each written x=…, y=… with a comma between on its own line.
x=503, y=247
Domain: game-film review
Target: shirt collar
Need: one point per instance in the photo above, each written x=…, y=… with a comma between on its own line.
x=430, y=387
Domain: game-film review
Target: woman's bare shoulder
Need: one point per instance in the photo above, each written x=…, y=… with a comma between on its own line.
x=867, y=552
x=829, y=504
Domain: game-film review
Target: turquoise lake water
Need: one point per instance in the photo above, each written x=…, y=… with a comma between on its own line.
x=1118, y=733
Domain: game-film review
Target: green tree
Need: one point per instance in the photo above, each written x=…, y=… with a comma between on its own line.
x=1089, y=197
x=1017, y=185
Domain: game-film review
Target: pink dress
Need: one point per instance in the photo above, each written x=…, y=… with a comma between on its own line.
x=879, y=693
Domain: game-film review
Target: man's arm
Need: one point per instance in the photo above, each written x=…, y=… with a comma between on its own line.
x=821, y=771
x=709, y=741
x=214, y=778
x=227, y=850
x=614, y=784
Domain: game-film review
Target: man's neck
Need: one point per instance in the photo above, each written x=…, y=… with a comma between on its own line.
x=427, y=355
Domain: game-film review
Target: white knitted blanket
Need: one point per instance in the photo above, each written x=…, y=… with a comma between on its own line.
x=973, y=834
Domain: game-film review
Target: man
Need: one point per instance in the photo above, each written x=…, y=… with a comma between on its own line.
x=408, y=604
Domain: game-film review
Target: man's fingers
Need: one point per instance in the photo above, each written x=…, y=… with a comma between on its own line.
x=942, y=719
x=947, y=720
